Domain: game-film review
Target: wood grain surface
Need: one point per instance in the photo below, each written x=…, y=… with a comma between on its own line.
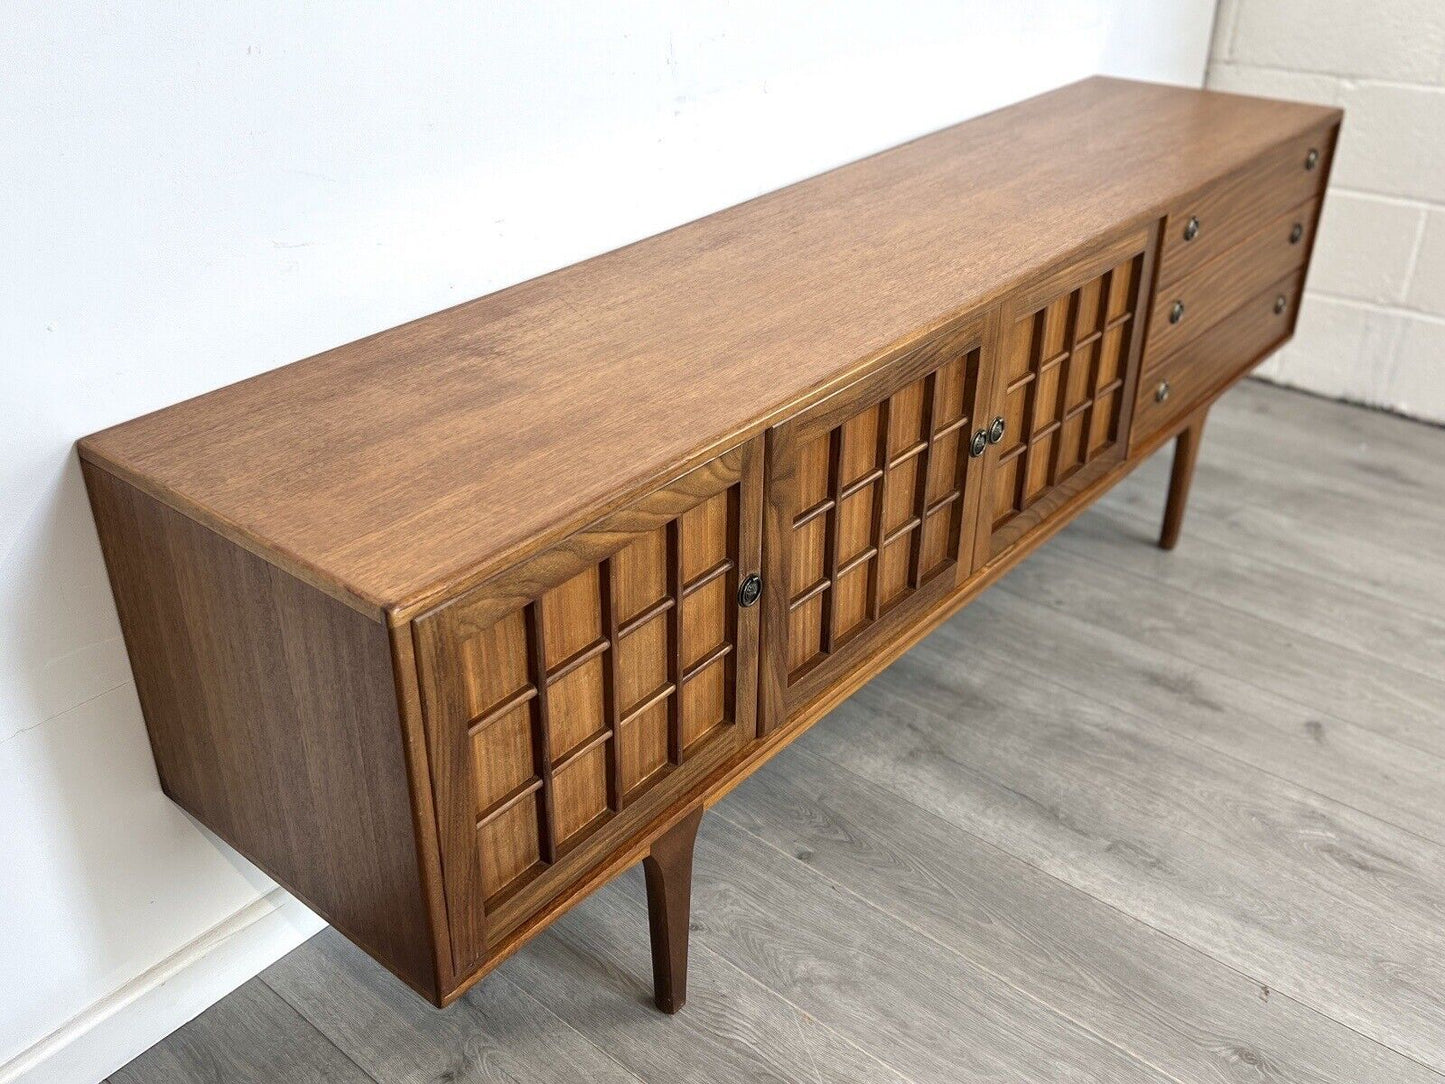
x=243, y=673
x=1114, y=974
x=250, y=1036
x=1171, y=816
x=1228, y=212
x=1168, y=392
x=391, y=469
x=553, y=496
x=1227, y=283
x=1340, y=909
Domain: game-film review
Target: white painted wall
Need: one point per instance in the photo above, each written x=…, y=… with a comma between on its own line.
x=1372, y=329
x=196, y=193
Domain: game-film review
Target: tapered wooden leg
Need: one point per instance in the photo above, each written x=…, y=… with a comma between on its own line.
x=1186, y=451
x=668, y=867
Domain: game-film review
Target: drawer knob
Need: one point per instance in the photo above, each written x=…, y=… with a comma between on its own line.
x=750, y=590
x=1191, y=228
x=1312, y=159
x=1296, y=232
x=1162, y=391
x=995, y=431
x=979, y=443
x=1280, y=304
x=1176, y=312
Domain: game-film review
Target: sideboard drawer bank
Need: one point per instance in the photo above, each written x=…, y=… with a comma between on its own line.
x=446, y=627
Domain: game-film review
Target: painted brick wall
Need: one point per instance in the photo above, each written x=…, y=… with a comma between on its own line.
x=1373, y=326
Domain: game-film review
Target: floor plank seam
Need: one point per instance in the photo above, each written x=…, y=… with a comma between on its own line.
x=1333, y=579
x=306, y=1021
x=760, y=984
x=1064, y=541
x=1382, y=480
x=1269, y=387
x=1234, y=460
x=1304, y=1005
x=930, y=939
x=1214, y=600
x=544, y=1007
x=1238, y=431
x=1052, y=678
x=1313, y=709
x=803, y=1044
x=1033, y=862
x=1115, y=502
x=1121, y=501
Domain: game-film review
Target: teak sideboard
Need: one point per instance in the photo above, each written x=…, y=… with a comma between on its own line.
x=446, y=627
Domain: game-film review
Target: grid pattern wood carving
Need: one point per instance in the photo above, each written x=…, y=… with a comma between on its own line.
x=581, y=688
x=598, y=688
x=882, y=498
x=868, y=512
x=570, y=672
x=1063, y=370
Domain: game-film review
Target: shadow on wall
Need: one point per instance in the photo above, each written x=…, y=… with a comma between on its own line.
x=89, y=840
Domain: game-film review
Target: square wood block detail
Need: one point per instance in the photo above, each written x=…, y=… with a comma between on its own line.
x=881, y=497
x=1064, y=367
x=589, y=681
x=869, y=507
x=1064, y=391
x=574, y=714
x=445, y=627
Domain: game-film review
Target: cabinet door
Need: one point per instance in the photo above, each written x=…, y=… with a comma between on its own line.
x=570, y=698
x=870, y=511
x=1067, y=364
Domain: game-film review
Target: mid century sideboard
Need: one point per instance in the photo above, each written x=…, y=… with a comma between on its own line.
x=446, y=627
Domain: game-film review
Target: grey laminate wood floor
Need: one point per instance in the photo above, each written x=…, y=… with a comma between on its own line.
x=1130, y=816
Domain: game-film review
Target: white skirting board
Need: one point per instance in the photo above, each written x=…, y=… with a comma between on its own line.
x=155, y=1003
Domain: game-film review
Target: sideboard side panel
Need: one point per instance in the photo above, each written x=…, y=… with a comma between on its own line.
x=272, y=713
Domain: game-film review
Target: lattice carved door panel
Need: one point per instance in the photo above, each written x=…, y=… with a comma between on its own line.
x=870, y=505
x=1068, y=361
x=570, y=698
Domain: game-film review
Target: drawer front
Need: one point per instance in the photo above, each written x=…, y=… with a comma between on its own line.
x=1193, y=305
x=1239, y=206
x=1189, y=378
x=868, y=513
x=569, y=699
x=1064, y=387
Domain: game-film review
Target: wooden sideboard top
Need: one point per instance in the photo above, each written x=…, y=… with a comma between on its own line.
x=392, y=470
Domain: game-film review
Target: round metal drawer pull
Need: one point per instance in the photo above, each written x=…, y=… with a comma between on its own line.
x=750, y=590
x=1296, y=232
x=995, y=431
x=1162, y=391
x=979, y=443
x=1176, y=312
x=1280, y=304
x=1191, y=229
x=1312, y=159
